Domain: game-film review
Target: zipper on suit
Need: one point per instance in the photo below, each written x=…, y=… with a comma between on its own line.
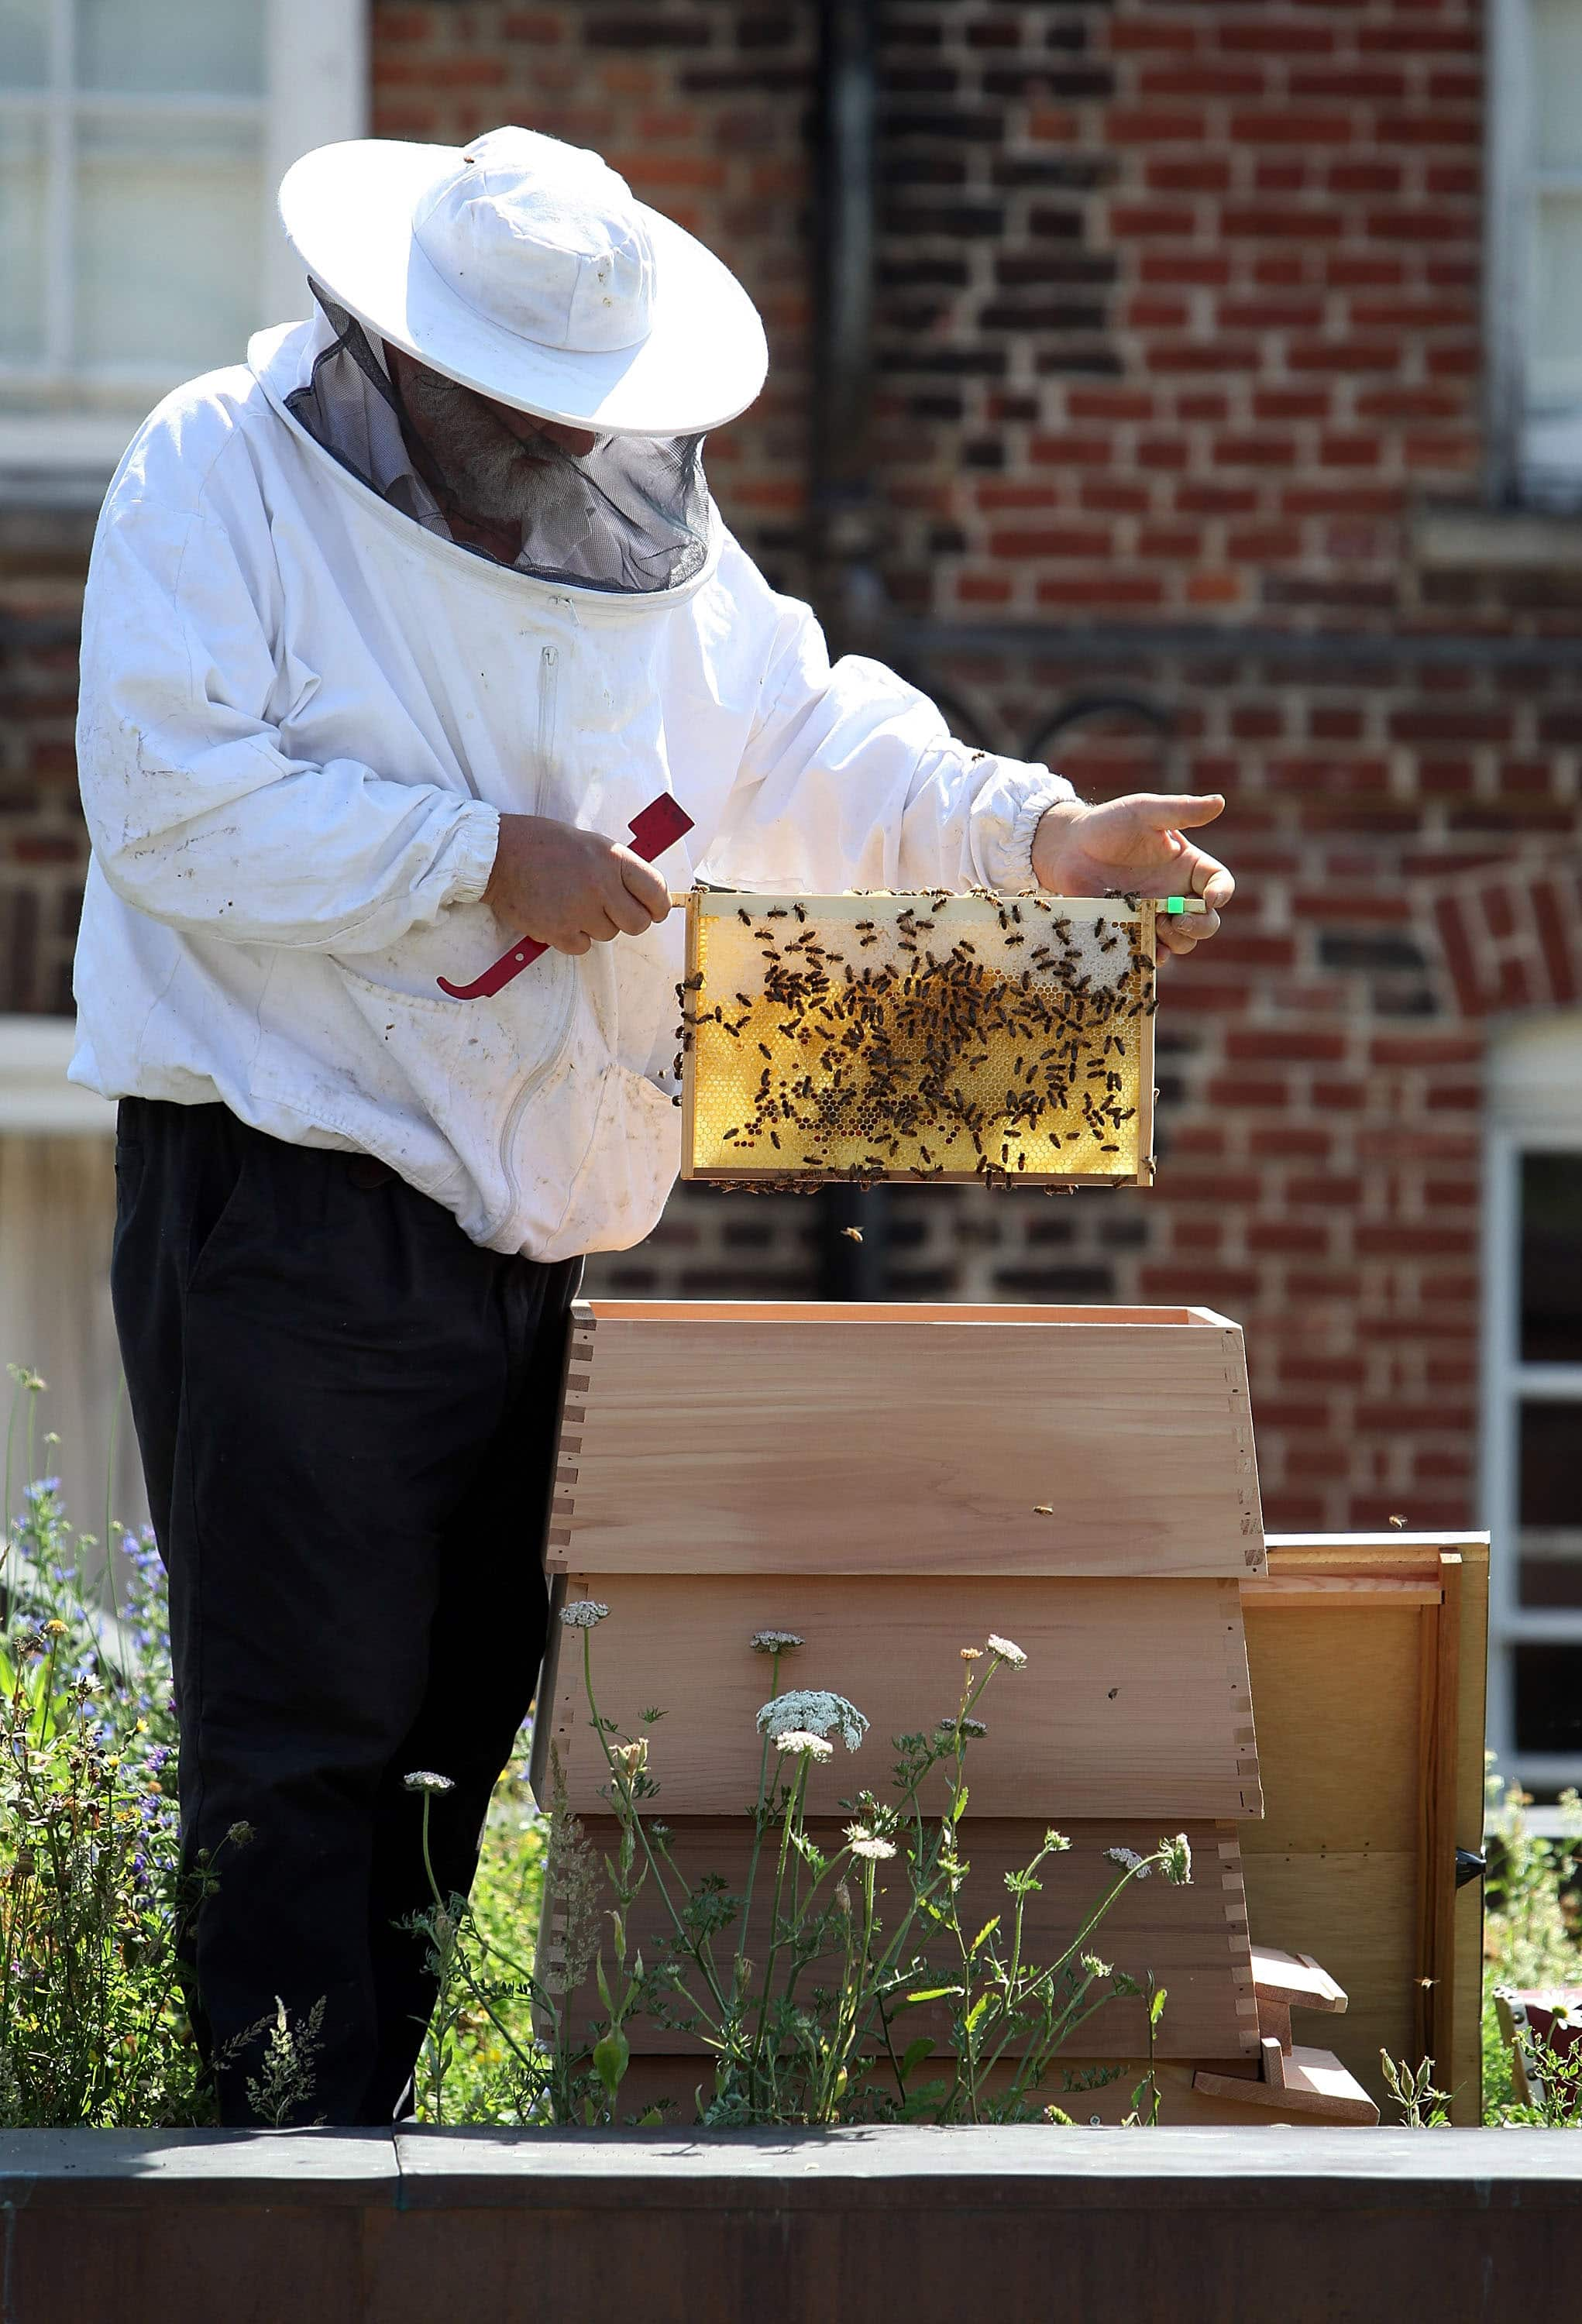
x=549, y=705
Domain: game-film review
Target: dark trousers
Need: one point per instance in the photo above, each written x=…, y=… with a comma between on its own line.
x=345, y=1412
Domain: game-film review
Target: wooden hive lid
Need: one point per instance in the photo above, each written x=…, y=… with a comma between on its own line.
x=763, y=1437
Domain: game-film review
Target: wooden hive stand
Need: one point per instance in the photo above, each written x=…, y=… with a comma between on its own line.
x=892, y=1482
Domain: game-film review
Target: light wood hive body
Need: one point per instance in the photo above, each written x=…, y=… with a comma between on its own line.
x=893, y=1483
x=874, y=1037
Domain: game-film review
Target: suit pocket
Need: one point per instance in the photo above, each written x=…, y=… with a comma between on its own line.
x=629, y=1160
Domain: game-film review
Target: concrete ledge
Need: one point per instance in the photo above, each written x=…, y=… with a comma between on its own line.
x=1498, y=539
x=1185, y=2227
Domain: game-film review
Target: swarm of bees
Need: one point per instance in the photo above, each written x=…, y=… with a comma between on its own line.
x=919, y=1037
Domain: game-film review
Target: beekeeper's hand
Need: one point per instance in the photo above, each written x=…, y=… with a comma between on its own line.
x=569, y=888
x=1136, y=846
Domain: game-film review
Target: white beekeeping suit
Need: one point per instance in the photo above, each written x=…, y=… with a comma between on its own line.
x=306, y=704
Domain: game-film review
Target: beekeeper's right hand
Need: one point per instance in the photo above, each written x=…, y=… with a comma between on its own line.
x=569, y=888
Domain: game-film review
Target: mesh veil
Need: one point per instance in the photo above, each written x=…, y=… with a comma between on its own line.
x=631, y=516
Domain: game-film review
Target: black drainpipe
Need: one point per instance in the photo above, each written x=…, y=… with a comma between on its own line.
x=848, y=592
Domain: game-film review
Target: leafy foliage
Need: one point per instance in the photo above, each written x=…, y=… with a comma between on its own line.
x=92, y=1898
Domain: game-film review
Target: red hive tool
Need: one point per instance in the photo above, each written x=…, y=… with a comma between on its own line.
x=660, y=823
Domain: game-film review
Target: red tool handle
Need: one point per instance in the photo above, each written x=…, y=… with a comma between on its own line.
x=660, y=823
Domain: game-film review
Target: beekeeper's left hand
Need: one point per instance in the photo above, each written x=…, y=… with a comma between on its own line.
x=1136, y=847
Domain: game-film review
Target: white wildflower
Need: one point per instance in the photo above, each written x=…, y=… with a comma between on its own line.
x=1130, y=1861
x=1007, y=1651
x=583, y=1613
x=806, y=1746
x=814, y=1712
x=423, y=1779
x=1177, y=1867
x=774, y=1642
x=864, y=1842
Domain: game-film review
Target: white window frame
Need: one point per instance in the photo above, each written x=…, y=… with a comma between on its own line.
x=1534, y=1103
x=1531, y=463
x=316, y=91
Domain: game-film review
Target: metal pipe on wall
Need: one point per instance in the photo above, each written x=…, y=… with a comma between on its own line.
x=848, y=592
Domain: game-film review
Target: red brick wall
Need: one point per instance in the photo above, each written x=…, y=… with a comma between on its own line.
x=1184, y=302
x=1179, y=325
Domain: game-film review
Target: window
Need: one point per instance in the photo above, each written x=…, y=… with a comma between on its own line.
x=141, y=144
x=1535, y=248
x=1532, y=1469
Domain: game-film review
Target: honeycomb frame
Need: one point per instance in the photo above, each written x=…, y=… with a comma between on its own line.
x=841, y=1039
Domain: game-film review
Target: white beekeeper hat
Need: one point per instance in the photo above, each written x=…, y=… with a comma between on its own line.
x=524, y=268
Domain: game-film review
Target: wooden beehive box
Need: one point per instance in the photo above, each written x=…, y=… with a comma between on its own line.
x=1367, y=1655
x=1192, y=1941
x=798, y=1438
x=872, y=1036
x=893, y=1483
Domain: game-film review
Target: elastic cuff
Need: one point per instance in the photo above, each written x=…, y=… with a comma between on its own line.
x=473, y=851
x=1013, y=854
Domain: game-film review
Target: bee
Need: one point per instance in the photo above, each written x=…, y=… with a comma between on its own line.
x=852, y=1234
x=778, y=913
x=746, y=917
x=799, y=912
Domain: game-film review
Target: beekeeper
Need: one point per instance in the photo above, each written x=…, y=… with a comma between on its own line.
x=389, y=634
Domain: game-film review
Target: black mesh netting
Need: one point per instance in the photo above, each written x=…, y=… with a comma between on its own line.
x=631, y=516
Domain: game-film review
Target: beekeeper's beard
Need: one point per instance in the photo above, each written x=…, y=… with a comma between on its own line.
x=629, y=514
x=486, y=472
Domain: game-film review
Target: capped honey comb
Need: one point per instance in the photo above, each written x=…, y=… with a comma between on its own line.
x=861, y=1038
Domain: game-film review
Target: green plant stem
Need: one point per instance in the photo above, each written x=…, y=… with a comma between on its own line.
x=705, y=1965
x=9, y=1513
x=109, y=1536
x=758, y=1814
x=794, y=1794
